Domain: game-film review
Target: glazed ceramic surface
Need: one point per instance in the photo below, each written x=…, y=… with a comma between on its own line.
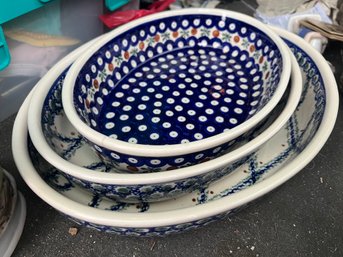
x=281, y=158
x=69, y=144
x=55, y=137
x=172, y=79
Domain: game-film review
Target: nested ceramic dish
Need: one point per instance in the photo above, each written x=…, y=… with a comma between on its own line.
x=12, y=214
x=176, y=88
x=56, y=139
x=11, y=236
x=8, y=199
x=285, y=154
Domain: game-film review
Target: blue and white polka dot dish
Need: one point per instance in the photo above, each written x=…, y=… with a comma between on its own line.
x=174, y=89
x=282, y=157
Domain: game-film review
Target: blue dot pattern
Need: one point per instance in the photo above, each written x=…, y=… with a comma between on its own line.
x=176, y=99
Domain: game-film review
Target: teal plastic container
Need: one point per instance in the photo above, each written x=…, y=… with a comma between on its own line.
x=8, y=11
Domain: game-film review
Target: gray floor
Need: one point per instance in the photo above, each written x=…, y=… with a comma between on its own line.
x=303, y=217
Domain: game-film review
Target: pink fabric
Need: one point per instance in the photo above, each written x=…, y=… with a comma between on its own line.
x=117, y=18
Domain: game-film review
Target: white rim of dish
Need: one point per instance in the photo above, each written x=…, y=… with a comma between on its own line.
x=177, y=149
x=34, y=123
x=79, y=211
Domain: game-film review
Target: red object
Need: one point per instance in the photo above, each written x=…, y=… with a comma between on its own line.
x=117, y=18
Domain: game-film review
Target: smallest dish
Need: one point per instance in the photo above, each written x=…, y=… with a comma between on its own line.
x=176, y=88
